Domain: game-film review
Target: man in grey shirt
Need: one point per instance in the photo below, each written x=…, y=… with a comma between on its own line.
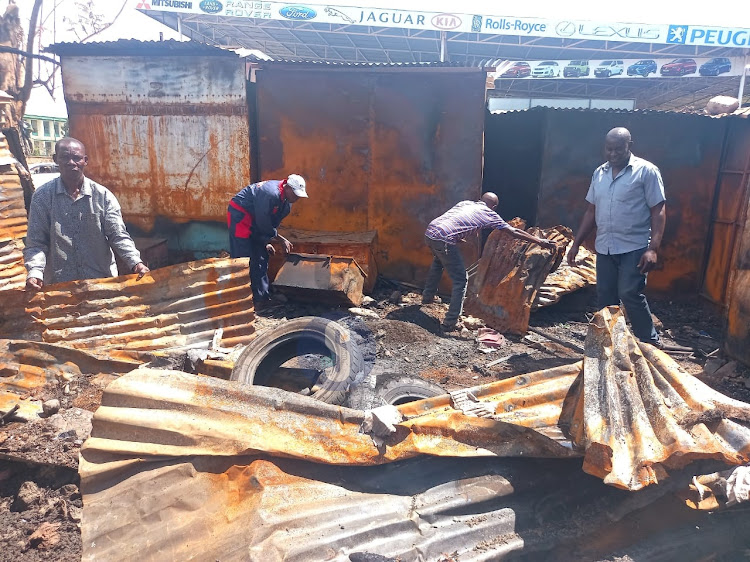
x=626, y=205
x=74, y=224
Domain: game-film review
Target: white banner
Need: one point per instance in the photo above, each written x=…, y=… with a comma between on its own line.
x=621, y=68
x=458, y=22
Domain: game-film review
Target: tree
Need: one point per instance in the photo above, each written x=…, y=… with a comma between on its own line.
x=16, y=70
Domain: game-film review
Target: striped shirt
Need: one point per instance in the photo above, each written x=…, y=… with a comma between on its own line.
x=462, y=220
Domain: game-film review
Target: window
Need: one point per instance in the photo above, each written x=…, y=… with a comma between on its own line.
x=46, y=128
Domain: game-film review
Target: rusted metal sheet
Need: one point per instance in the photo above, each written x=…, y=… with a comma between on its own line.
x=357, y=245
x=738, y=324
x=382, y=149
x=509, y=274
x=208, y=444
x=638, y=415
x=274, y=509
x=729, y=211
x=12, y=223
x=168, y=135
x=27, y=369
x=329, y=279
x=566, y=279
x=180, y=306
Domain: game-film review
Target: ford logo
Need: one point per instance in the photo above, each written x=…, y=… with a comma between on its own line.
x=446, y=21
x=298, y=13
x=211, y=6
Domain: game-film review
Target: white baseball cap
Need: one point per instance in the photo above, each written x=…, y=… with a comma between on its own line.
x=297, y=183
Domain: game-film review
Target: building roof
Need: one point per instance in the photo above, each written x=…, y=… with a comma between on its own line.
x=361, y=43
x=133, y=47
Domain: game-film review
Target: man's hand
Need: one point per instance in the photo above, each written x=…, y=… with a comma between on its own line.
x=572, y=255
x=270, y=249
x=34, y=284
x=648, y=261
x=549, y=244
x=288, y=246
x=141, y=270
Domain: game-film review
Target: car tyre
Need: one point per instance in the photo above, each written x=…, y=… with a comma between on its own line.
x=261, y=359
x=390, y=389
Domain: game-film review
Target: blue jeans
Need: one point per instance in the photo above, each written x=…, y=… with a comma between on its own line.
x=446, y=256
x=619, y=279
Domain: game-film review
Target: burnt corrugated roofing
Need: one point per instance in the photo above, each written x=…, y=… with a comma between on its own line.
x=133, y=47
x=629, y=410
x=180, y=306
x=12, y=224
x=484, y=65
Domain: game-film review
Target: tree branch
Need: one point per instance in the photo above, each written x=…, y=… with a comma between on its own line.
x=98, y=31
x=4, y=49
x=28, y=82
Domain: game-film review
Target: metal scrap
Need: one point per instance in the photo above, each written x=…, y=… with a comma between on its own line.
x=508, y=277
x=320, y=278
x=628, y=409
x=12, y=224
x=175, y=307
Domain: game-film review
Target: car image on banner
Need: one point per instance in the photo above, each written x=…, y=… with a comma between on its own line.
x=546, y=69
x=609, y=68
x=517, y=70
x=619, y=68
x=577, y=68
x=679, y=67
x=642, y=68
x=715, y=66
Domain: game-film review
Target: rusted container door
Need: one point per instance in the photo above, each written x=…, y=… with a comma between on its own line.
x=730, y=210
x=727, y=277
x=382, y=149
x=168, y=135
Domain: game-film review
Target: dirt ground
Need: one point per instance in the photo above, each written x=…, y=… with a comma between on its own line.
x=409, y=340
x=40, y=504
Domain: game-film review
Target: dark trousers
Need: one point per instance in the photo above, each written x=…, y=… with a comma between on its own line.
x=619, y=279
x=447, y=257
x=243, y=245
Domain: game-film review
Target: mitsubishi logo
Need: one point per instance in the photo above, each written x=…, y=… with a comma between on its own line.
x=143, y=6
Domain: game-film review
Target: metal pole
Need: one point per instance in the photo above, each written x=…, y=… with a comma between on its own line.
x=443, y=45
x=745, y=66
x=179, y=27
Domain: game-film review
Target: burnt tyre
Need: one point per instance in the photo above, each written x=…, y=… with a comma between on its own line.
x=307, y=339
x=390, y=389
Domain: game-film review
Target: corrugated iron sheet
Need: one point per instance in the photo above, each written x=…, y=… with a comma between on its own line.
x=632, y=413
x=26, y=368
x=509, y=274
x=179, y=306
x=12, y=224
x=134, y=47
x=567, y=279
x=426, y=509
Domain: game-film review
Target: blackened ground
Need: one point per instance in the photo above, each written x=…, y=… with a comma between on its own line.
x=407, y=337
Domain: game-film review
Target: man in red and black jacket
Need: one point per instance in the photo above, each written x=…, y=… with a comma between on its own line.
x=253, y=216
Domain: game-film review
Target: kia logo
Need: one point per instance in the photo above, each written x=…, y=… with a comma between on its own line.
x=446, y=21
x=565, y=28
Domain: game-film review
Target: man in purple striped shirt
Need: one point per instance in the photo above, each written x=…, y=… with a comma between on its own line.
x=463, y=220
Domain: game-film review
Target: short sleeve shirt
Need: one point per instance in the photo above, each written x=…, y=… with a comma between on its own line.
x=623, y=205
